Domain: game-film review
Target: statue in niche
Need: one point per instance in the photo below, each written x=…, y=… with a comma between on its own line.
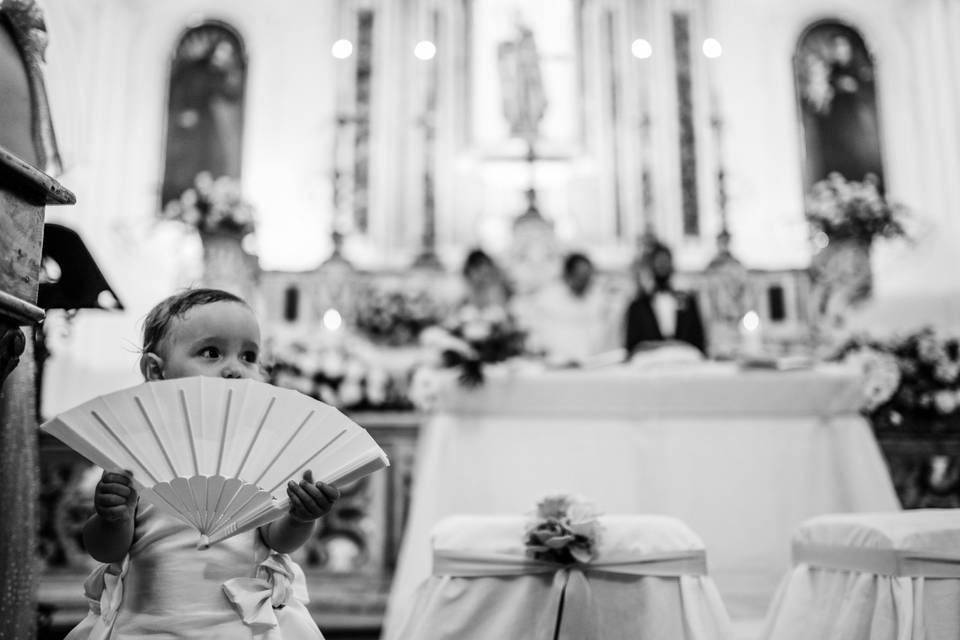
x=838, y=103
x=205, y=117
x=521, y=82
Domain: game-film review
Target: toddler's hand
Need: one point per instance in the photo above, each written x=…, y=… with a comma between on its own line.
x=309, y=501
x=115, y=498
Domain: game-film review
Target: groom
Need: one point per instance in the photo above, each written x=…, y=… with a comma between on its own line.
x=660, y=312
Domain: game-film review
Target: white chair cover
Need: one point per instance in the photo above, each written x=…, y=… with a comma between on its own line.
x=874, y=576
x=648, y=581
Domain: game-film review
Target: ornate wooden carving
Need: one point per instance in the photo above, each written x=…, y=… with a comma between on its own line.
x=12, y=343
x=23, y=21
x=24, y=191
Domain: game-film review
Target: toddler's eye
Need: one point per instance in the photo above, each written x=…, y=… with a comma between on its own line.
x=250, y=356
x=209, y=352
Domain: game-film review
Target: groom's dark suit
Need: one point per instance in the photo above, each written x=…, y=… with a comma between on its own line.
x=642, y=324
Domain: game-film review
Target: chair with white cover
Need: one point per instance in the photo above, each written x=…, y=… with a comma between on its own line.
x=648, y=580
x=872, y=575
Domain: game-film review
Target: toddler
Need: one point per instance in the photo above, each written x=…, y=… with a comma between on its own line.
x=154, y=582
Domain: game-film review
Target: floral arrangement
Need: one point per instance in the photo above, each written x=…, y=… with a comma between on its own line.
x=212, y=205
x=849, y=210
x=912, y=380
x=566, y=531
x=473, y=337
x=396, y=317
x=340, y=376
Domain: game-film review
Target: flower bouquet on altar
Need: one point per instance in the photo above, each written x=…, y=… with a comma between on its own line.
x=339, y=375
x=850, y=210
x=473, y=337
x=212, y=206
x=566, y=531
x=396, y=317
x=912, y=381
x=846, y=216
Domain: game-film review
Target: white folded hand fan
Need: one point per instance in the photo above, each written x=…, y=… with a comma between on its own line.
x=217, y=453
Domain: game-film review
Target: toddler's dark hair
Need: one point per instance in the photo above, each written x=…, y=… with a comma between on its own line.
x=157, y=323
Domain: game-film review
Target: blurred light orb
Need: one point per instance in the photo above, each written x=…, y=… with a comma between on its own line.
x=712, y=48
x=342, y=49
x=820, y=240
x=332, y=319
x=641, y=49
x=425, y=50
x=751, y=321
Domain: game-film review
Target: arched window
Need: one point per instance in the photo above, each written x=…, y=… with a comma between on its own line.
x=838, y=105
x=205, y=108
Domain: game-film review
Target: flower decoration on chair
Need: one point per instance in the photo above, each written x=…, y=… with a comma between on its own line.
x=396, y=317
x=850, y=210
x=913, y=381
x=473, y=337
x=566, y=531
x=212, y=206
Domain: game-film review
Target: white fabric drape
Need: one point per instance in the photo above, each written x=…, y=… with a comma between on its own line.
x=885, y=576
x=743, y=459
x=646, y=582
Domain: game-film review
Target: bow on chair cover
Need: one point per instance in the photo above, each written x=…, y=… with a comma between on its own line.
x=901, y=563
x=569, y=616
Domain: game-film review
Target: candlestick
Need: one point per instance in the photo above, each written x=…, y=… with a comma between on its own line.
x=751, y=335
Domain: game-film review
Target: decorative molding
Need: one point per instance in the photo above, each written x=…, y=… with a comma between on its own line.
x=25, y=19
x=687, y=128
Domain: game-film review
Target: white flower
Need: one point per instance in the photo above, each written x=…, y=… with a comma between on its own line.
x=468, y=313
x=355, y=369
x=377, y=381
x=946, y=370
x=425, y=388
x=929, y=349
x=476, y=330
x=881, y=375
x=297, y=383
x=494, y=314
x=204, y=181
x=332, y=363
x=329, y=395
x=351, y=393
x=189, y=199
x=945, y=401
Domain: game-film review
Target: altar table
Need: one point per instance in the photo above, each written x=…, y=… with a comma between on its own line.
x=742, y=457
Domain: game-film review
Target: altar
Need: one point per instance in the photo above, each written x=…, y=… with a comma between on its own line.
x=743, y=457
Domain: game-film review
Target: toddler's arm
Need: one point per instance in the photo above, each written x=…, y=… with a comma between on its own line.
x=108, y=534
x=308, y=501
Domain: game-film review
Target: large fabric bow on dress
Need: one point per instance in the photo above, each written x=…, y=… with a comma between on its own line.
x=278, y=582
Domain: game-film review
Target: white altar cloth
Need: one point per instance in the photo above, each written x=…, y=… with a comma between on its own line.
x=743, y=457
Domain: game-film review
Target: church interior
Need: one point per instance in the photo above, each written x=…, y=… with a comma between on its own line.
x=676, y=259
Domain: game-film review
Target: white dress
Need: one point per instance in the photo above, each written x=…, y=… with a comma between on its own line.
x=570, y=328
x=166, y=588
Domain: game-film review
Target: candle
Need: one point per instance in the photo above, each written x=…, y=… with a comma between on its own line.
x=751, y=335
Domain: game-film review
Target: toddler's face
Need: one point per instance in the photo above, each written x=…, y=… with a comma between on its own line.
x=219, y=339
